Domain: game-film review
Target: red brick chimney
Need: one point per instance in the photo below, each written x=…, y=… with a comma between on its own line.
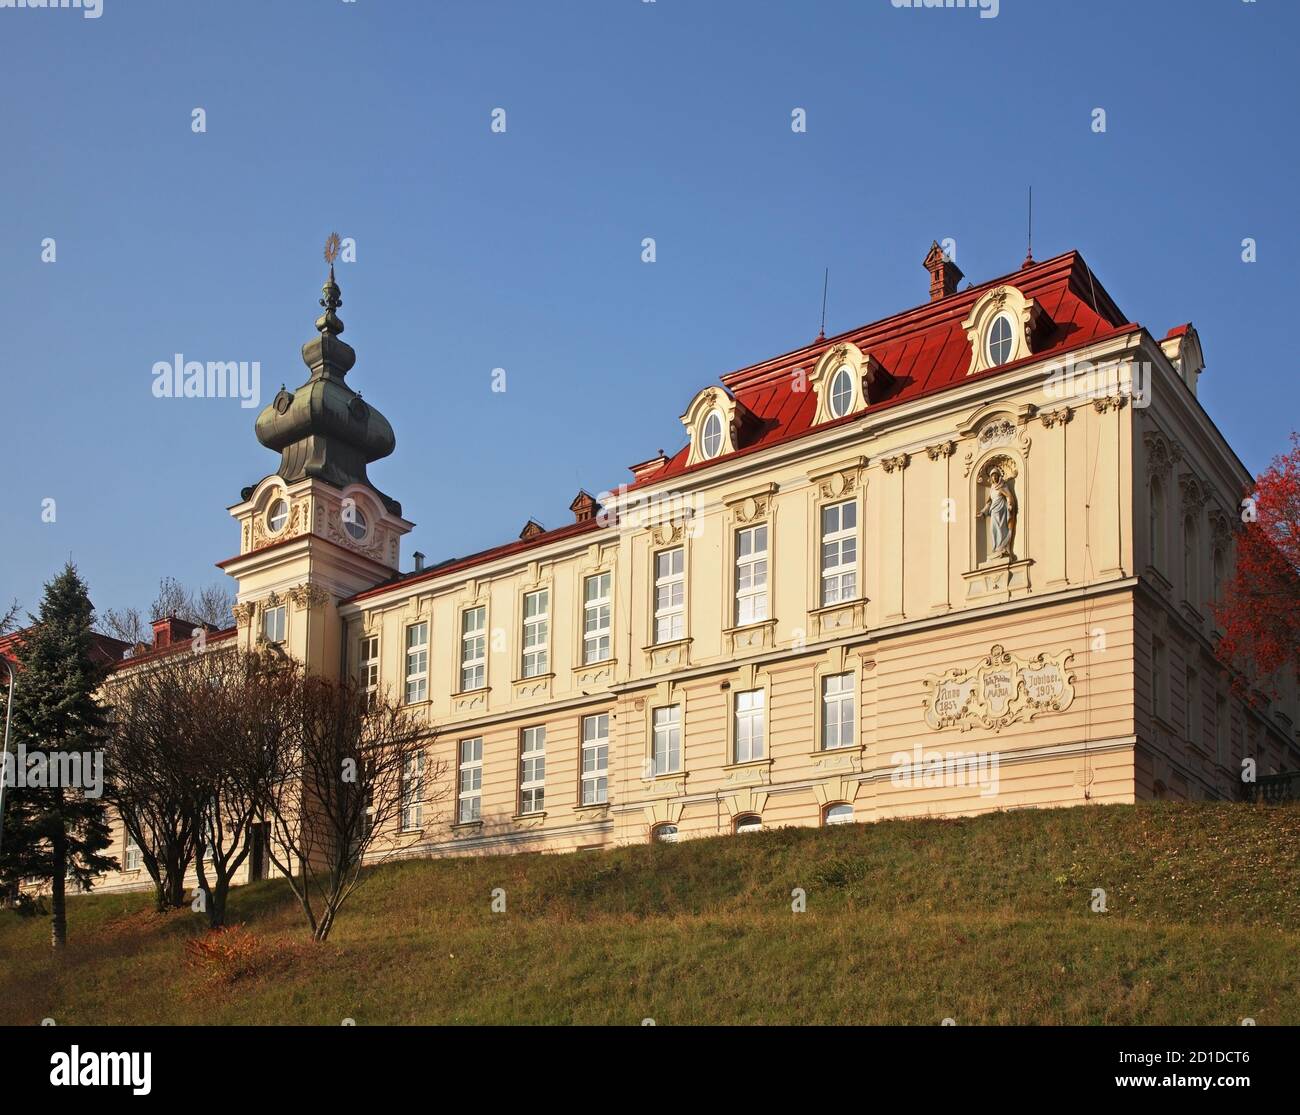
x=584, y=506
x=170, y=630
x=944, y=274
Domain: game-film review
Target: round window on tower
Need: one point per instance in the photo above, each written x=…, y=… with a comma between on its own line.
x=277, y=515
x=354, y=522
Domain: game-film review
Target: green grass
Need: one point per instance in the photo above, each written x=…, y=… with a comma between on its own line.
x=984, y=920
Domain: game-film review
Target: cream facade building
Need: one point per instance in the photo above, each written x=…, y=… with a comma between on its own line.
x=954, y=561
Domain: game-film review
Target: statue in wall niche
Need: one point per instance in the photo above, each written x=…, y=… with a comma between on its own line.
x=1000, y=510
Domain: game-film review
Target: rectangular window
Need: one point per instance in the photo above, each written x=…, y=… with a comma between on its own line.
x=368, y=665
x=670, y=595
x=837, y=711
x=751, y=575
x=1158, y=695
x=537, y=632
x=413, y=792
x=532, y=771
x=668, y=739
x=839, y=552
x=595, y=759
x=417, y=662
x=470, y=793
x=273, y=620
x=1192, y=695
x=134, y=861
x=473, y=649
x=596, y=618
x=750, y=725
x=1221, y=730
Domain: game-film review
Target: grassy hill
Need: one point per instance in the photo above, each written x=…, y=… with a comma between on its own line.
x=983, y=920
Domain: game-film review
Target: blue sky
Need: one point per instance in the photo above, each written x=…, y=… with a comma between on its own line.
x=522, y=250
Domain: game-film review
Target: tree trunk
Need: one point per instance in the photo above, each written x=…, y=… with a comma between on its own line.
x=58, y=897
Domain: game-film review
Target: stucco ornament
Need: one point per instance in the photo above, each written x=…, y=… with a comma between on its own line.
x=1000, y=510
x=1000, y=690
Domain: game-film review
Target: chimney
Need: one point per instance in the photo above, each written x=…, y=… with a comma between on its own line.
x=944, y=273
x=584, y=506
x=532, y=529
x=419, y=561
x=169, y=630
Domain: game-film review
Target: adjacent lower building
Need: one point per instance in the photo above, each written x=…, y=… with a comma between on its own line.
x=957, y=560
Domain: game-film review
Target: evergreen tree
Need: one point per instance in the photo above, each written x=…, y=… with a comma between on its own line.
x=57, y=832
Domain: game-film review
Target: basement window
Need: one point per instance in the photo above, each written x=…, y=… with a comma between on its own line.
x=749, y=822
x=664, y=834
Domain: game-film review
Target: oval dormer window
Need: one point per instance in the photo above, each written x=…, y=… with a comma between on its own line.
x=278, y=515
x=842, y=392
x=999, y=340
x=355, y=524
x=711, y=435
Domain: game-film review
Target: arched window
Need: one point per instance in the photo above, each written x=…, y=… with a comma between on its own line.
x=841, y=392
x=711, y=435
x=841, y=813
x=749, y=822
x=1000, y=340
x=664, y=834
x=1156, y=522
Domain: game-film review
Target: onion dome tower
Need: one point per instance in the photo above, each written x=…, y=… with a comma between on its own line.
x=316, y=531
x=324, y=429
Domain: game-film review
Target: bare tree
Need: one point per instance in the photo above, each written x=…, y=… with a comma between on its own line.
x=151, y=778
x=210, y=605
x=359, y=762
x=245, y=725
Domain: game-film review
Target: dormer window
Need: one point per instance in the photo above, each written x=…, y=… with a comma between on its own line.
x=1001, y=328
x=713, y=422
x=1000, y=338
x=711, y=436
x=841, y=392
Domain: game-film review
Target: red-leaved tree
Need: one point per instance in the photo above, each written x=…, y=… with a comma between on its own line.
x=1260, y=609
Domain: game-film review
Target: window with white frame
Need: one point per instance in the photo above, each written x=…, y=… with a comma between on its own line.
x=670, y=595
x=368, y=665
x=999, y=340
x=749, y=822
x=537, y=632
x=840, y=813
x=668, y=739
x=711, y=437
x=417, y=662
x=837, y=711
x=134, y=860
x=841, y=392
x=750, y=725
x=473, y=649
x=273, y=621
x=839, y=552
x=596, y=611
x=532, y=770
x=413, y=792
x=751, y=575
x=470, y=785
x=595, y=759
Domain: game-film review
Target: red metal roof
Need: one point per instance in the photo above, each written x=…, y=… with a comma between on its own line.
x=924, y=350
